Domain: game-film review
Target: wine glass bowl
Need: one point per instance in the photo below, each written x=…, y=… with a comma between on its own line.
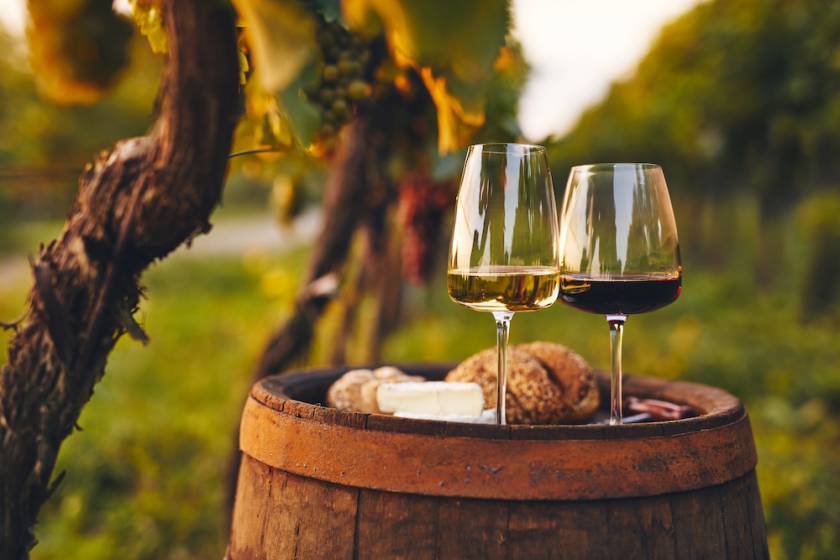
x=504, y=254
x=619, y=248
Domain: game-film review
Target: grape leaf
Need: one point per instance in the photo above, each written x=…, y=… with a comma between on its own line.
x=452, y=44
x=304, y=117
x=149, y=19
x=281, y=34
x=458, y=117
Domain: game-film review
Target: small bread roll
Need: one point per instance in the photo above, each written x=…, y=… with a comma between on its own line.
x=346, y=392
x=547, y=383
x=356, y=389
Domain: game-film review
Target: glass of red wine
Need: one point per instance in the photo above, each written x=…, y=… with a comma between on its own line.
x=619, y=252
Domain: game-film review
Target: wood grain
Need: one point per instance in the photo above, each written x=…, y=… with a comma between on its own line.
x=286, y=516
x=284, y=509
x=472, y=529
x=398, y=526
x=430, y=462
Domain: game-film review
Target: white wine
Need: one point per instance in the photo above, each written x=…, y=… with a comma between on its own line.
x=505, y=288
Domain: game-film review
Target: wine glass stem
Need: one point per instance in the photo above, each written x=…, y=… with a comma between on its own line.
x=616, y=323
x=502, y=331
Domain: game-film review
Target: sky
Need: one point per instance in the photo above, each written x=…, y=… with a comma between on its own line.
x=576, y=48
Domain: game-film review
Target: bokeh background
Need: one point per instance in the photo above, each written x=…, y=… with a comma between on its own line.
x=739, y=100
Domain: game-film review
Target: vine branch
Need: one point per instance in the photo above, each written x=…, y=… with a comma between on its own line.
x=135, y=205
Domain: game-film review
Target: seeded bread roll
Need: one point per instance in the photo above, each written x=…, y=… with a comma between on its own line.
x=547, y=383
x=356, y=389
x=579, y=392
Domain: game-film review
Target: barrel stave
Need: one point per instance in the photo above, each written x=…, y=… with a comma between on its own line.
x=300, y=508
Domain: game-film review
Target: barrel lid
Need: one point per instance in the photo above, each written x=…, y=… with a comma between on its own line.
x=561, y=462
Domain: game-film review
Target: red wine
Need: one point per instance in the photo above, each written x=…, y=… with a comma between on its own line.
x=620, y=295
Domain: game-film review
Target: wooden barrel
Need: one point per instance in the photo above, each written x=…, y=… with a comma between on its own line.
x=318, y=483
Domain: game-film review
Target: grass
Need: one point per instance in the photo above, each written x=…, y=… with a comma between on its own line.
x=26, y=236
x=145, y=476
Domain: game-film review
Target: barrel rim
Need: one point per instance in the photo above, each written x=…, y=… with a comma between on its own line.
x=379, y=452
x=716, y=407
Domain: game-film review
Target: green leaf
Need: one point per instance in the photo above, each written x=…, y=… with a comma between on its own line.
x=454, y=46
x=282, y=36
x=304, y=117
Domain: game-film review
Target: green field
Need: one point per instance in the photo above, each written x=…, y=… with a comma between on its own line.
x=145, y=475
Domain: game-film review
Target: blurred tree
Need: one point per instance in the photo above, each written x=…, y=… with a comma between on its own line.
x=819, y=217
x=734, y=96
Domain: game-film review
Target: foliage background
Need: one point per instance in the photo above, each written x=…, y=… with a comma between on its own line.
x=738, y=100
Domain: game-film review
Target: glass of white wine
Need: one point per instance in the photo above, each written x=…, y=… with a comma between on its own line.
x=504, y=255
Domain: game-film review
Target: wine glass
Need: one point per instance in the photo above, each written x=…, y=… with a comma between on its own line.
x=504, y=254
x=619, y=249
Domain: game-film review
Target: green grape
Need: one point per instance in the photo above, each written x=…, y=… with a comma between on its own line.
x=342, y=82
x=341, y=108
x=340, y=97
x=358, y=90
x=330, y=73
x=349, y=68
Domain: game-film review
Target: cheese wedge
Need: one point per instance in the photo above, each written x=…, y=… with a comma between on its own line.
x=432, y=398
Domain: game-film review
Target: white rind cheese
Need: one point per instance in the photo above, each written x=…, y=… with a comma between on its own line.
x=431, y=398
x=487, y=417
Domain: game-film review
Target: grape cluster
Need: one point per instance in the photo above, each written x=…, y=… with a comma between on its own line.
x=423, y=203
x=344, y=82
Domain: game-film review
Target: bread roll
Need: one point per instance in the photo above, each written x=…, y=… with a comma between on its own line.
x=356, y=389
x=547, y=383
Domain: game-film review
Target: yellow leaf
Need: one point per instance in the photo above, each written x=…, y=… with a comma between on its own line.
x=282, y=37
x=456, y=125
x=453, y=45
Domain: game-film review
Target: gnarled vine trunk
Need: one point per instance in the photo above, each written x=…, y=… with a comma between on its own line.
x=134, y=205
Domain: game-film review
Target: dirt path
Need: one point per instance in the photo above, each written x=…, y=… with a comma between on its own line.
x=229, y=237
